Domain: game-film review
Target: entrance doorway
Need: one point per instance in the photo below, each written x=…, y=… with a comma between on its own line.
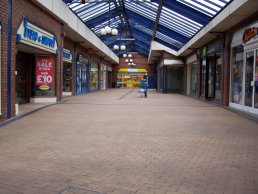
x=251, y=79
x=67, y=79
x=24, y=63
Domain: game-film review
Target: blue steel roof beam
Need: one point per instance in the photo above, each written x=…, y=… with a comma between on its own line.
x=147, y=28
x=157, y=19
x=140, y=46
x=101, y=19
x=144, y=11
x=175, y=35
x=90, y=7
x=144, y=52
x=178, y=23
x=95, y=13
x=206, y=7
x=141, y=33
x=169, y=40
x=140, y=19
x=115, y=22
x=166, y=44
x=186, y=11
x=143, y=43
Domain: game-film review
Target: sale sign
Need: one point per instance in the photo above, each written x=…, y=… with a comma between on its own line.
x=44, y=71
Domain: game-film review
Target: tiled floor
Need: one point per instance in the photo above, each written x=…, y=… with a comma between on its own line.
x=117, y=142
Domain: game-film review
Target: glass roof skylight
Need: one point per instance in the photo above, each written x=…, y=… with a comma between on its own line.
x=178, y=22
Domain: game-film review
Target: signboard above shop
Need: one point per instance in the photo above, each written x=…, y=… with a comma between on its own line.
x=67, y=56
x=35, y=36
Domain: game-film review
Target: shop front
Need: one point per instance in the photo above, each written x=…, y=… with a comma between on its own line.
x=131, y=77
x=103, y=77
x=211, y=72
x=191, y=75
x=82, y=72
x=244, y=70
x=67, y=72
x=0, y=68
x=94, y=76
x=35, y=64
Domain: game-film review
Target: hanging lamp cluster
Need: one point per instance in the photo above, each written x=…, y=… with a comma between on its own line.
x=108, y=30
x=129, y=60
x=122, y=47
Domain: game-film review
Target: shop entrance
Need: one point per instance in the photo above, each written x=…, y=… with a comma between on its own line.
x=24, y=63
x=67, y=72
x=251, y=79
x=131, y=78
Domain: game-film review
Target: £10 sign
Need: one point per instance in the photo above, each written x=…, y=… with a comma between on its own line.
x=44, y=72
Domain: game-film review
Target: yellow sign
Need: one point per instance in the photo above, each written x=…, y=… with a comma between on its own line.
x=132, y=70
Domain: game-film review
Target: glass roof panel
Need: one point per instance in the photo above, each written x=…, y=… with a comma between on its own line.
x=208, y=7
x=178, y=22
x=148, y=10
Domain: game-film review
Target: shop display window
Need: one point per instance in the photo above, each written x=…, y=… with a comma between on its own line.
x=94, y=73
x=256, y=82
x=249, y=78
x=130, y=80
x=237, y=75
x=67, y=77
x=218, y=77
x=193, y=80
x=203, y=78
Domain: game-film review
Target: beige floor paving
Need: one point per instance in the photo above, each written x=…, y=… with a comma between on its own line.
x=116, y=142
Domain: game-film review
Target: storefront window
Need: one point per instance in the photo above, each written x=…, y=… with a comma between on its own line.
x=218, y=77
x=103, y=77
x=0, y=69
x=67, y=77
x=203, y=78
x=256, y=82
x=94, y=71
x=249, y=78
x=81, y=75
x=193, y=80
x=237, y=75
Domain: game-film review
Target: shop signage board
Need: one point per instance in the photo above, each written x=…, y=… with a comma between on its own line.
x=67, y=56
x=83, y=59
x=132, y=70
x=250, y=34
x=37, y=37
x=44, y=72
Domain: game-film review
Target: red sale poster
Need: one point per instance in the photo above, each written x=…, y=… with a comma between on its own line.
x=44, y=71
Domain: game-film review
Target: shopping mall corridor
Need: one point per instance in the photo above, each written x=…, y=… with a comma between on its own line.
x=118, y=142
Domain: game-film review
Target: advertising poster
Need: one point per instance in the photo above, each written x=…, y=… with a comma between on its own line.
x=44, y=72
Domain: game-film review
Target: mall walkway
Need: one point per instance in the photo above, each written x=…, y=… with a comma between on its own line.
x=116, y=142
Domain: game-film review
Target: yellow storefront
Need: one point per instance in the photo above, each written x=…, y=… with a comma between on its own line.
x=131, y=77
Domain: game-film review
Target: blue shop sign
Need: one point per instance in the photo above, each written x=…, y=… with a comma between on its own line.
x=35, y=36
x=67, y=56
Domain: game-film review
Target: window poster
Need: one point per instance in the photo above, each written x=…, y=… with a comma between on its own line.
x=44, y=72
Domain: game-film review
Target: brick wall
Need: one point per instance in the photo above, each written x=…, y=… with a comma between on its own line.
x=3, y=21
x=24, y=9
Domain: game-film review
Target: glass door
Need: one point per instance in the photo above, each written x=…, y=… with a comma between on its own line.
x=256, y=82
x=210, y=78
x=249, y=74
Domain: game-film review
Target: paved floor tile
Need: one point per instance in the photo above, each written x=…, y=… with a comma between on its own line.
x=117, y=142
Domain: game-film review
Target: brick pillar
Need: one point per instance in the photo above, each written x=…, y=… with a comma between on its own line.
x=226, y=70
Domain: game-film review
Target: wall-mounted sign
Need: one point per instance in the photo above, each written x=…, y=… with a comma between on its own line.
x=44, y=72
x=249, y=34
x=35, y=36
x=131, y=70
x=109, y=68
x=83, y=59
x=67, y=56
x=94, y=69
